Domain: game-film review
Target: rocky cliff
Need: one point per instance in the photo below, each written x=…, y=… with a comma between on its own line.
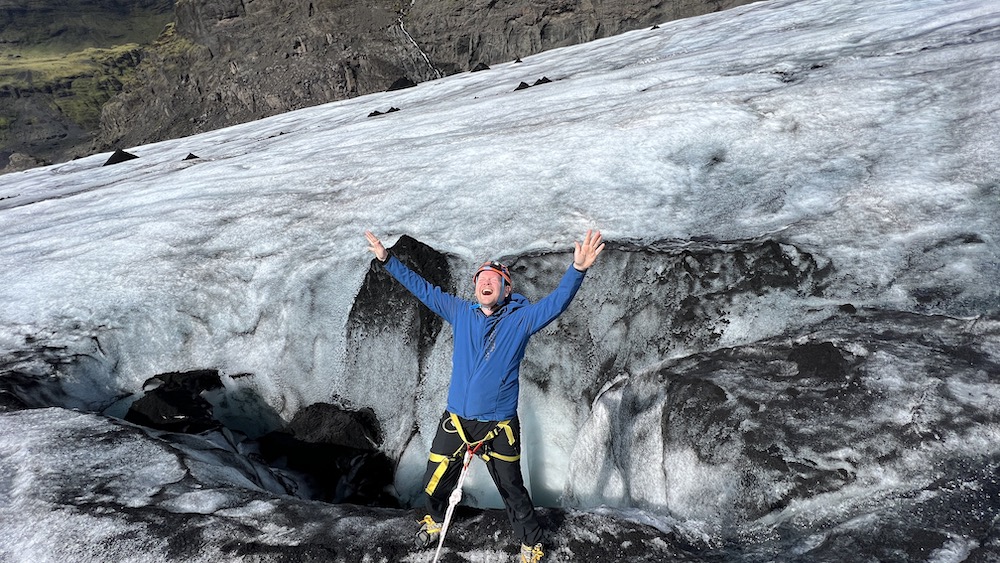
x=230, y=61
x=59, y=63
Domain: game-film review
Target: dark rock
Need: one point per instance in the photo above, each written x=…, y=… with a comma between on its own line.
x=335, y=449
x=323, y=423
x=377, y=113
x=401, y=84
x=480, y=67
x=822, y=359
x=119, y=156
x=174, y=402
x=10, y=401
x=542, y=80
x=522, y=86
x=191, y=156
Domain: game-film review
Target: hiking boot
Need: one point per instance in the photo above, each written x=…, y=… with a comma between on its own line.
x=428, y=533
x=531, y=554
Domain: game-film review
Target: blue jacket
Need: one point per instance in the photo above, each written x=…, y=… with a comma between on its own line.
x=488, y=349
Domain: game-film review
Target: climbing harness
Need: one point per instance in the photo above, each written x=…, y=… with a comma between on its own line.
x=470, y=451
x=444, y=461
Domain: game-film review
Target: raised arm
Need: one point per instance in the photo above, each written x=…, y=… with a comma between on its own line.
x=586, y=252
x=443, y=304
x=553, y=304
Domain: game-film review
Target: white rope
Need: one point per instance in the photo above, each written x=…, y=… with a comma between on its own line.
x=456, y=496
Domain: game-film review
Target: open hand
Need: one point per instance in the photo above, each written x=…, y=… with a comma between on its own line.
x=375, y=245
x=587, y=251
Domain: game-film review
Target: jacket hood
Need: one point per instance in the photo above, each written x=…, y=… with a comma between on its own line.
x=516, y=301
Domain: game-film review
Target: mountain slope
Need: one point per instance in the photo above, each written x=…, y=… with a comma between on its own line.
x=229, y=62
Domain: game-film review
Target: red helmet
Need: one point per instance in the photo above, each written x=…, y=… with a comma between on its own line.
x=495, y=266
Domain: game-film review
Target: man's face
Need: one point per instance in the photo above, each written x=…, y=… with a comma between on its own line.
x=488, y=288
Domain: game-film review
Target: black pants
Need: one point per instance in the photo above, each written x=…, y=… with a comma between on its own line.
x=440, y=481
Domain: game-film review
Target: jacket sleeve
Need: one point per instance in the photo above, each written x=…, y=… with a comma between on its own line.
x=553, y=304
x=443, y=304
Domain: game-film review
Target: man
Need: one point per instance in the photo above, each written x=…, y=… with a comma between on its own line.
x=490, y=339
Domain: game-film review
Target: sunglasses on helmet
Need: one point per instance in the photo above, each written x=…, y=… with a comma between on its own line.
x=494, y=266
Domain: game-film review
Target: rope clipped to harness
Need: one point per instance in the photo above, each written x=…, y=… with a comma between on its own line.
x=456, y=497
